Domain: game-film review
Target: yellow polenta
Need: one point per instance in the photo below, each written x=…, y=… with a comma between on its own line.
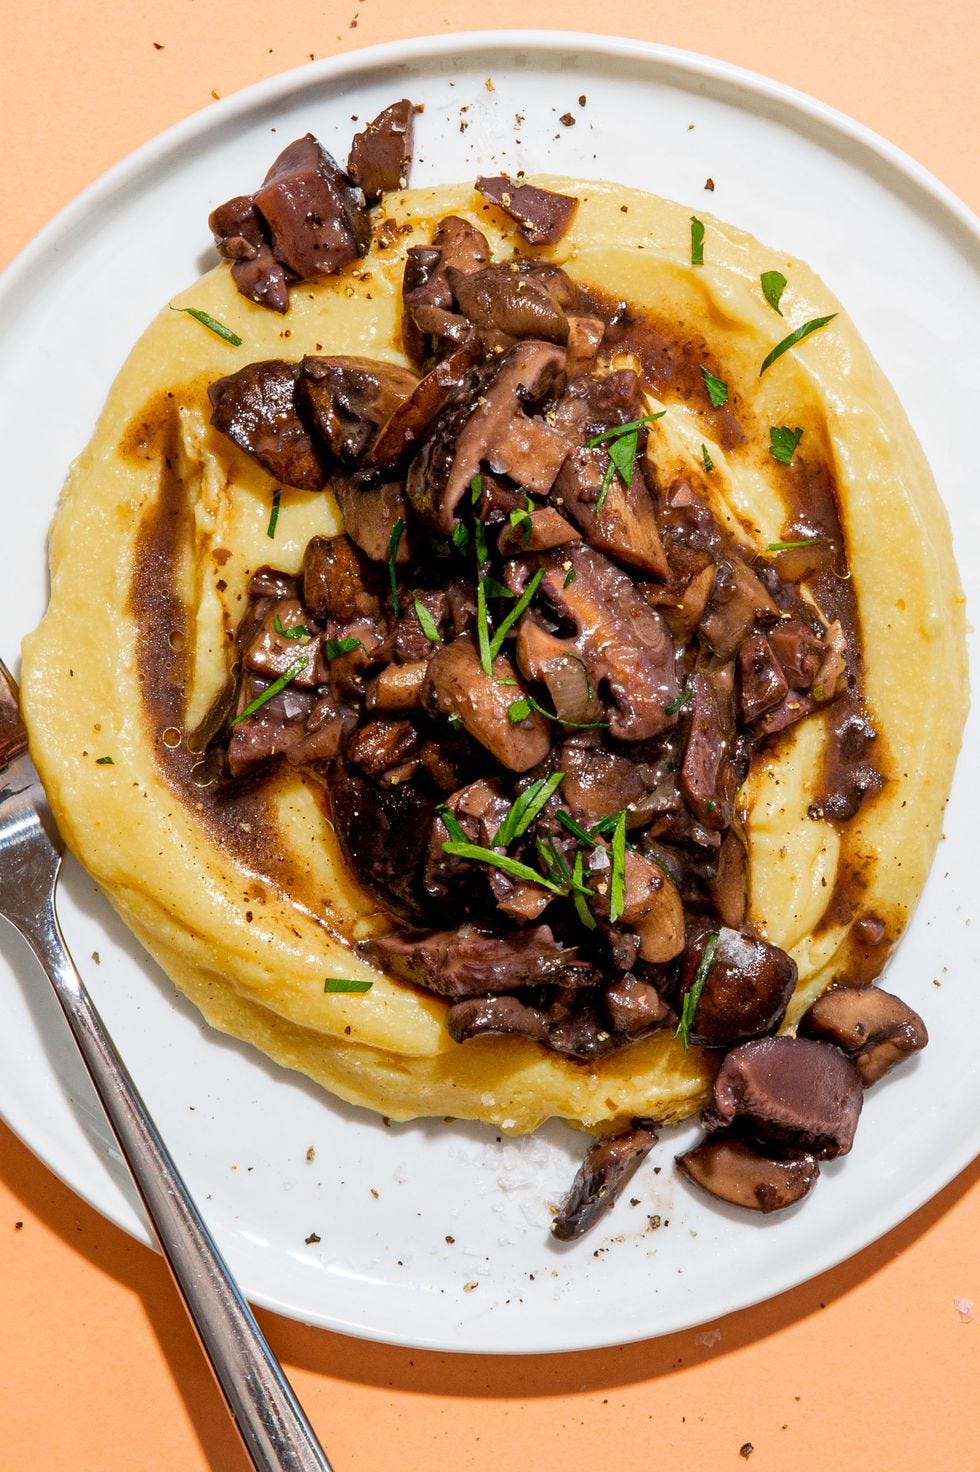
x=248, y=909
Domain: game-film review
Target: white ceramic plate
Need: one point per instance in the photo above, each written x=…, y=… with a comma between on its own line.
x=430, y=1234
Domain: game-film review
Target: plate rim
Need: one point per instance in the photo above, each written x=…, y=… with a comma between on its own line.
x=783, y=102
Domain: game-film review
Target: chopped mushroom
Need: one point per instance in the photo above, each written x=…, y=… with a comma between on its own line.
x=493, y=427
x=470, y=962
x=348, y=399
x=381, y=153
x=872, y=1026
x=457, y=685
x=745, y=991
x=601, y=1177
x=542, y=215
x=477, y=1016
x=734, y=1170
x=791, y=1092
x=256, y=407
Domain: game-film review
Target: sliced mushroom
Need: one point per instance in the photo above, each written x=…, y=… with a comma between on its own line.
x=651, y=906
x=508, y=301
x=477, y=1016
x=347, y=399
x=635, y=1007
x=620, y=639
x=745, y=991
x=383, y=830
x=370, y=513
x=256, y=408
x=470, y=962
x=762, y=684
x=399, y=437
x=872, y=1026
x=791, y=1092
x=495, y=427
x=313, y=215
x=737, y=599
x=601, y=1177
x=457, y=685
x=542, y=215
x=625, y=525
x=337, y=584
x=709, y=778
x=381, y=154
x=732, y=1169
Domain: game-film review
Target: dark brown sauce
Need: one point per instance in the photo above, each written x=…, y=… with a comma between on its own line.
x=239, y=817
x=855, y=761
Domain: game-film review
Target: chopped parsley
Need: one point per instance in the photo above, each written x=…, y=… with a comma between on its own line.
x=483, y=627
x=617, y=878
x=344, y=984
x=462, y=850
x=513, y=614
x=717, y=389
x=519, y=710
x=274, y=689
x=788, y=546
x=623, y=440
x=333, y=647
x=211, y=323
x=773, y=286
x=693, y=995
x=525, y=808
x=783, y=442
x=394, y=539
x=709, y=464
x=673, y=706
x=270, y=530
x=579, y=892
x=298, y=631
x=697, y=242
x=104, y=761
x=569, y=578
x=793, y=339
x=427, y=623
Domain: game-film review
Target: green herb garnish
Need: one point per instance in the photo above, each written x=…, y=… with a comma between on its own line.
x=104, y=761
x=709, y=464
x=579, y=892
x=493, y=860
x=460, y=537
x=510, y=619
x=569, y=577
x=524, y=809
x=451, y=824
x=793, y=339
x=575, y=829
x=520, y=709
x=717, y=390
x=298, y=631
x=270, y=530
x=783, y=442
x=673, y=706
x=480, y=543
x=520, y=519
x=497, y=590
x=617, y=877
x=773, y=286
x=427, y=622
x=476, y=489
x=623, y=440
x=393, y=540
x=693, y=996
x=788, y=546
x=333, y=647
x=697, y=242
x=211, y=323
x=483, y=627
x=274, y=689
x=344, y=984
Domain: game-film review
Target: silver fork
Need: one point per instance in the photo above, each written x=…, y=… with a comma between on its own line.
x=269, y=1418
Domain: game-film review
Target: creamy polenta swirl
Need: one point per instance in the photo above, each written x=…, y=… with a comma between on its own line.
x=243, y=898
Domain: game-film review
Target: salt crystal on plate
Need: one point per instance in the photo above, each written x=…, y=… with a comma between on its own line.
x=964, y=1309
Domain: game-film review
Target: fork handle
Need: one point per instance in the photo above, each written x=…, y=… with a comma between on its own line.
x=270, y=1419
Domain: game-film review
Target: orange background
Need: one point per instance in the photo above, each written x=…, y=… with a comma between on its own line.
x=868, y=1367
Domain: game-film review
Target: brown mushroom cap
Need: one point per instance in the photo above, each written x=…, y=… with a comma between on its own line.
x=731, y=1169
x=792, y=1093
x=746, y=989
x=872, y=1026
